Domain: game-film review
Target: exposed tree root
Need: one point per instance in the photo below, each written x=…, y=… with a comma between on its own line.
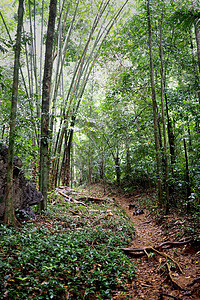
x=169, y=257
x=165, y=245
x=196, y=280
x=162, y=295
x=171, y=279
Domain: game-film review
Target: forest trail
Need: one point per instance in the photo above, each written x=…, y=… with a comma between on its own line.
x=153, y=281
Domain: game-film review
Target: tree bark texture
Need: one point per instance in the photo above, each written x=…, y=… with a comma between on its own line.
x=9, y=214
x=44, y=153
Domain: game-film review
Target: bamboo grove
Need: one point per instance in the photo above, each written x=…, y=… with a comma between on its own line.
x=118, y=101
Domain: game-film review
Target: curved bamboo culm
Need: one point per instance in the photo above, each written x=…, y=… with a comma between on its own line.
x=82, y=71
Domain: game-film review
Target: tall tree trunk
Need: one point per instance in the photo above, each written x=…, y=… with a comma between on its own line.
x=9, y=215
x=44, y=155
x=197, y=34
x=166, y=175
x=196, y=73
x=154, y=105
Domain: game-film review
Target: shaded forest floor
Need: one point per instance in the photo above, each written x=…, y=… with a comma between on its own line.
x=76, y=250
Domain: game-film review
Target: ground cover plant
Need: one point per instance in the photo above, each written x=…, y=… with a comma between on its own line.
x=71, y=252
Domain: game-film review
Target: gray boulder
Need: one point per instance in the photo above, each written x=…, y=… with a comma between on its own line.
x=25, y=193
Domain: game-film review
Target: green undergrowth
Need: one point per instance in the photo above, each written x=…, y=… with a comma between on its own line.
x=71, y=252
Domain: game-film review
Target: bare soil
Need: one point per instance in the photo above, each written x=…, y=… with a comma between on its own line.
x=159, y=277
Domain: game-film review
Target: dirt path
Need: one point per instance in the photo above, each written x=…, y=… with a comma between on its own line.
x=153, y=281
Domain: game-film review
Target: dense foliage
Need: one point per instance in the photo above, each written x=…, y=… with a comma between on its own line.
x=73, y=252
x=101, y=118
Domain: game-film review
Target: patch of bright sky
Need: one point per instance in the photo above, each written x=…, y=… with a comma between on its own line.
x=8, y=7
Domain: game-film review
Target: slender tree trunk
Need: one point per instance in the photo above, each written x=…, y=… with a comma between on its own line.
x=44, y=154
x=166, y=175
x=41, y=50
x=188, y=189
x=197, y=34
x=117, y=167
x=154, y=105
x=170, y=135
x=101, y=174
x=3, y=130
x=72, y=169
x=143, y=151
x=89, y=156
x=67, y=159
x=9, y=214
x=128, y=158
x=196, y=73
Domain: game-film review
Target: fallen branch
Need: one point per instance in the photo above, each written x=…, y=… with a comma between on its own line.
x=65, y=196
x=79, y=202
x=69, y=199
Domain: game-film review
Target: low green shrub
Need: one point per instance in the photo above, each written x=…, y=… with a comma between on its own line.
x=67, y=256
